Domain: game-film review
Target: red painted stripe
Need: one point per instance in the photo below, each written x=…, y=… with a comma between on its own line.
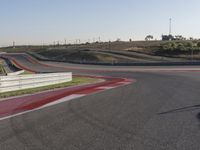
x=22, y=67
x=35, y=60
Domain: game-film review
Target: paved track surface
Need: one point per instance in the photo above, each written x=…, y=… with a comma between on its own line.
x=161, y=111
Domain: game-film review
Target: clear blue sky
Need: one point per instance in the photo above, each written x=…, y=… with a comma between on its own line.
x=45, y=21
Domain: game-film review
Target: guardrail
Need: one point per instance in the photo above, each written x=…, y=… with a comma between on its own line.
x=20, y=82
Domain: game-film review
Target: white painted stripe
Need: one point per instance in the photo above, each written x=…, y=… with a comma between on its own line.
x=65, y=99
x=128, y=82
x=105, y=88
x=115, y=86
x=18, y=114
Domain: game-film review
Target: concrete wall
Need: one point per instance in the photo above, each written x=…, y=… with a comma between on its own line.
x=19, y=82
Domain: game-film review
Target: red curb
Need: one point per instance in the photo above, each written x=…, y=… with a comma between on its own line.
x=22, y=104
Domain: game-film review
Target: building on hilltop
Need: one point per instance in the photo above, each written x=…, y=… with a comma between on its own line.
x=167, y=37
x=172, y=38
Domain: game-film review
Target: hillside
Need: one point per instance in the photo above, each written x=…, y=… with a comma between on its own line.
x=118, y=52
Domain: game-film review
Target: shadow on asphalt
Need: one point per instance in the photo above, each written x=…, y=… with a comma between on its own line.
x=184, y=109
x=198, y=116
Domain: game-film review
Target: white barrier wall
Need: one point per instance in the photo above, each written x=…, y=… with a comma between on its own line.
x=20, y=82
x=15, y=73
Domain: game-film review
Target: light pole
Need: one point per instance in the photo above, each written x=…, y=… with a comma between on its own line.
x=192, y=55
x=109, y=45
x=170, y=26
x=13, y=44
x=65, y=42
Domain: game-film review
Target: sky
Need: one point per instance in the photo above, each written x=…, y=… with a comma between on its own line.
x=45, y=21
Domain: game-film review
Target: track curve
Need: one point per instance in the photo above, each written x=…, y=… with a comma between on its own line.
x=159, y=111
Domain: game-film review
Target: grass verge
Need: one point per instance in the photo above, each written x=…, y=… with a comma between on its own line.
x=1, y=66
x=76, y=81
x=2, y=70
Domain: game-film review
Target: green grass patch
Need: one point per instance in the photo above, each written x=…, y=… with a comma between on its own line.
x=2, y=70
x=1, y=67
x=76, y=81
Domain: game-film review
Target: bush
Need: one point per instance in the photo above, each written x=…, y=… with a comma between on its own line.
x=181, y=47
x=169, y=46
x=178, y=46
x=173, y=45
x=188, y=44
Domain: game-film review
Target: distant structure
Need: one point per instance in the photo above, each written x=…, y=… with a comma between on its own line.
x=170, y=37
x=13, y=44
x=65, y=42
x=170, y=26
x=167, y=37
x=173, y=38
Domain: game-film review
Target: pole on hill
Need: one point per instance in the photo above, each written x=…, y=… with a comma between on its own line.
x=13, y=44
x=170, y=26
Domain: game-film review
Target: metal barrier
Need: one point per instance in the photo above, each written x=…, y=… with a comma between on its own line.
x=20, y=82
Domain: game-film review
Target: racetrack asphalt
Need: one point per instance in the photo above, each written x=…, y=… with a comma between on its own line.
x=161, y=111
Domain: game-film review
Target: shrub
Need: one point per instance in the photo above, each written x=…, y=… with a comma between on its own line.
x=188, y=44
x=181, y=47
x=173, y=45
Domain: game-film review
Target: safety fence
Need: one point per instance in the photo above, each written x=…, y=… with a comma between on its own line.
x=20, y=82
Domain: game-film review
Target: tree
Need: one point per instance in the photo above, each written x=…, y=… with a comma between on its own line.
x=118, y=40
x=149, y=37
x=191, y=38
